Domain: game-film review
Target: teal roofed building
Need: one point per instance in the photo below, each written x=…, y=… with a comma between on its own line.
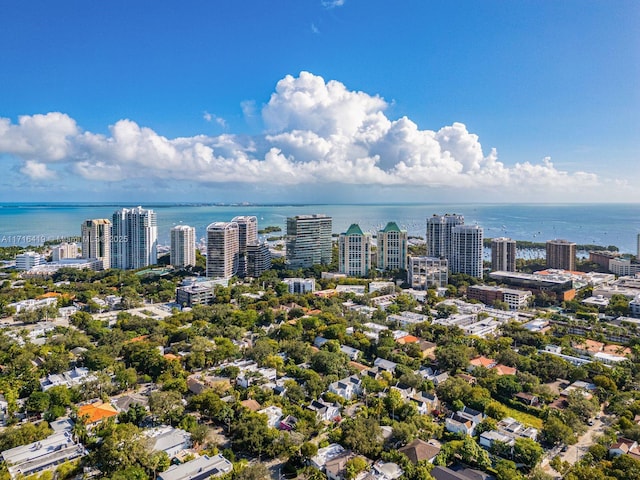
x=354, y=252
x=392, y=248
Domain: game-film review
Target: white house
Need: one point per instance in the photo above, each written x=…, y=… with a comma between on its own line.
x=325, y=412
x=198, y=469
x=170, y=440
x=347, y=388
x=274, y=415
x=464, y=421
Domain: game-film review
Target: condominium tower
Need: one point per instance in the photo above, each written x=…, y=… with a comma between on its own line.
x=183, y=246
x=134, y=238
x=308, y=240
x=427, y=272
x=64, y=251
x=258, y=259
x=354, y=252
x=392, y=248
x=503, y=254
x=247, y=235
x=439, y=231
x=561, y=254
x=466, y=250
x=222, y=249
x=96, y=240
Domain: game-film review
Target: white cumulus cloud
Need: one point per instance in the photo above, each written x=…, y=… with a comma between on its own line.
x=317, y=132
x=37, y=171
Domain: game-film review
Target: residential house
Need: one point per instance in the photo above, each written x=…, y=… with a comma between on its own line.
x=445, y=473
x=94, y=413
x=501, y=369
x=167, y=439
x=125, y=402
x=624, y=446
x=288, y=423
x=432, y=375
x=405, y=391
x=386, y=365
x=428, y=349
x=425, y=402
x=274, y=414
x=419, y=450
x=325, y=454
x=528, y=399
x=348, y=388
x=481, y=361
x=251, y=404
x=405, y=339
x=70, y=378
x=464, y=421
x=335, y=469
x=512, y=427
x=325, y=412
x=490, y=438
x=197, y=383
x=352, y=353
x=200, y=468
x=384, y=471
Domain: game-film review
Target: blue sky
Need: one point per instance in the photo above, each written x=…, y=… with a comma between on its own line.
x=305, y=100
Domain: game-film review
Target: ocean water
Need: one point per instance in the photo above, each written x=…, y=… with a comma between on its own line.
x=602, y=224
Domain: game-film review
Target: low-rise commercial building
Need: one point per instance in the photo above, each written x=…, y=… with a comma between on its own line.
x=300, y=285
x=45, y=454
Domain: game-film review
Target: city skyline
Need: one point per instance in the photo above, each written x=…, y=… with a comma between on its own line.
x=341, y=101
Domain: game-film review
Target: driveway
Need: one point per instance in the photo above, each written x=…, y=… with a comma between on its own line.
x=577, y=451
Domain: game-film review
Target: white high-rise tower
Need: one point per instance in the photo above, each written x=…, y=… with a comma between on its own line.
x=467, y=249
x=183, y=246
x=134, y=238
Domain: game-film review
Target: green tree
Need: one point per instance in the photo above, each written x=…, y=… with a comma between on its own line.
x=38, y=402
x=506, y=470
x=527, y=452
x=123, y=446
x=555, y=431
x=308, y=450
x=166, y=406
x=362, y=435
x=251, y=434
x=255, y=471
x=453, y=357
x=354, y=466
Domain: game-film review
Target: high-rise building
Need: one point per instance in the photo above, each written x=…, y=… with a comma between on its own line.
x=134, y=238
x=354, y=252
x=96, y=240
x=503, y=254
x=183, y=246
x=258, y=259
x=561, y=254
x=392, y=248
x=439, y=228
x=308, y=240
x=466, y=250
x=222, y=249
x=247, y=235
x=63, y=251
x=638, y=252
x=426, y=272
